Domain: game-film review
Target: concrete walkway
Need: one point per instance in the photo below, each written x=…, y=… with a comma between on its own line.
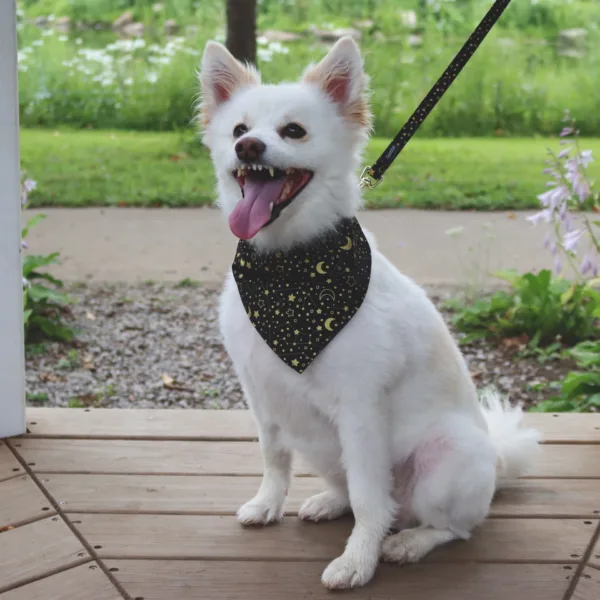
x=120, y=244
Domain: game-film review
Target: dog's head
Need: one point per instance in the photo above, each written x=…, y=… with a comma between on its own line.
x=286, y=156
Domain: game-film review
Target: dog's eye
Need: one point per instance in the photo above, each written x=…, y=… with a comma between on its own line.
x=239, y=130
x=293, y=130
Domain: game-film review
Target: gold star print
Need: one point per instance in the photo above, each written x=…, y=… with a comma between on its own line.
x=307, y=261
x=266, y=292
x=329, y=281
x=242, y=262
x=313, y=275
x=275, y=343
x=256, y=313
x=319, y=328
x=346, y=308
x=319, y=311
x=295, y=363
x=248, y=265
x=291, y=297
x=290, y=312
x=277, y=312
x=296, y=332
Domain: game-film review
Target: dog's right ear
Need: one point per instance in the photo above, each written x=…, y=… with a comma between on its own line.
x=221, y=75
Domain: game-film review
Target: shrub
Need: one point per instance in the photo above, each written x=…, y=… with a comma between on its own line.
x=544, y=309
x=580, y=390
x=44, y=304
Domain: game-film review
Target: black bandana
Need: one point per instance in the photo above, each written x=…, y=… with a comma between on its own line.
x=300, y=300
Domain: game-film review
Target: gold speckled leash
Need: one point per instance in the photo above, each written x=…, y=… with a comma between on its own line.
x=372, y=176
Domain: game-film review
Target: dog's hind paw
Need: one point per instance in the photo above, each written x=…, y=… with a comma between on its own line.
x=324, y=507
x=259, y=512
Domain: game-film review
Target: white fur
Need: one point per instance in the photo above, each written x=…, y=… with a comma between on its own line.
x=387, y=414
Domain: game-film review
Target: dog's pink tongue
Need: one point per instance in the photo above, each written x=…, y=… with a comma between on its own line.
x=253, y=211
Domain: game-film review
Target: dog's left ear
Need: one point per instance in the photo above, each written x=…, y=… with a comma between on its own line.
x=221, y=75
x=341, y=76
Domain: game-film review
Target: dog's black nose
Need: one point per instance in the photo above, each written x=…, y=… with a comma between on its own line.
x=250, y=149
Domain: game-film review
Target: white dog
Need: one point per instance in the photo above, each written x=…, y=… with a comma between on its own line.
x=386, y=411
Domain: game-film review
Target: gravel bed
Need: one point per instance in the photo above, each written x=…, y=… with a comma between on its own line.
x=158, y=346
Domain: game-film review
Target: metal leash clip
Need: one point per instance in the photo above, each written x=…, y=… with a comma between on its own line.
x=367, y=179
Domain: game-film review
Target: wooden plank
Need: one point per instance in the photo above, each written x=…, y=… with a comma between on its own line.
x=9, y=465
x=232, y=458
x=549, y=497
x=569, y=428
x=37, y=549
x=141, y=424
x=594, y=559
x=588, y=586
x=22, y=502
x=190, y=580
x=224, y=495
x=80, y=583
x=171, y=494
x=235, y=424
x=218, y=537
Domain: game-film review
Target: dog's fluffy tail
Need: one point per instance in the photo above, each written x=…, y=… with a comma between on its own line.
x=517, y=447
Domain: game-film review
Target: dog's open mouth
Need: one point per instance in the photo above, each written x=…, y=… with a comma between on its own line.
x=266, y=192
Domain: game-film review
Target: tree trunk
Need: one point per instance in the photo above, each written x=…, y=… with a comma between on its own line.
x=241, y=29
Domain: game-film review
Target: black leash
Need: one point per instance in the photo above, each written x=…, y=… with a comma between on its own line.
x=371, y=176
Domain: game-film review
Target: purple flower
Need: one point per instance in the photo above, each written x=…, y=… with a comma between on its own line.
x=566, y=131
x=543, y=215
x=554, y=197
x=571, y=239
x=28, y=186
x=24, y=245
x=589, y=265
x=557, y=265
x=564, y=153
x=585, y=158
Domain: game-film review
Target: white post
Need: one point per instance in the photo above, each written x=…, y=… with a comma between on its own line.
x=12, y=360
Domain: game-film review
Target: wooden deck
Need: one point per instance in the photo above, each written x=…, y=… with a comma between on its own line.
x=111, y=504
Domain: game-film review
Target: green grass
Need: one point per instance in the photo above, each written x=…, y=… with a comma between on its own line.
x=517, y=83
x=119, y=168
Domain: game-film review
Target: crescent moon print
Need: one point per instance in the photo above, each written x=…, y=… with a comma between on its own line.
x=348, y=245
x=321, y=268
x=287, y=302
x=327, y=294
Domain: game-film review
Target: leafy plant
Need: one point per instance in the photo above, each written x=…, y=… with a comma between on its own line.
x=540, y=307
x=44, y=304
x=580, y=390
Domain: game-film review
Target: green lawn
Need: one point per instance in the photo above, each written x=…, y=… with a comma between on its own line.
x=106, y=168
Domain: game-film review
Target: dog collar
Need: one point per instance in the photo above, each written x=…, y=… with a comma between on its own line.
x=299, y=300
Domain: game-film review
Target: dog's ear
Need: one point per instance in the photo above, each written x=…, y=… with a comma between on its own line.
x=340, y=75
x=220, y=76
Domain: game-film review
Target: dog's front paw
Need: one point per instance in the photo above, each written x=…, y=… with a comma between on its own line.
x=260, y=511
x=324, y=507
x=348, y=571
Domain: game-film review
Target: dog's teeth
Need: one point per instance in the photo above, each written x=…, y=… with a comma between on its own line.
x=272, y=171
x=239, y=172
x=259, y=167
x=271, y=206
